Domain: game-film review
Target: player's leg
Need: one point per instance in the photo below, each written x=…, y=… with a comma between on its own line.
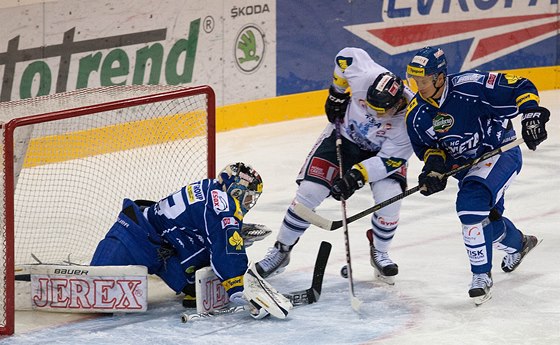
x=384, y=225
x=513, y=242
x=473, y=208
x=311, y=195
x=111, y=252
x=315, y=180
x=479, y=205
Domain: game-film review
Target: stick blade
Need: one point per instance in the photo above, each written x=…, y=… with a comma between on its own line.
x=356, y=303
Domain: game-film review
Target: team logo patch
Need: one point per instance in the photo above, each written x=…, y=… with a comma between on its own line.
x=468, y=78
x=234, y=241
x=220, y=201
x=344, y=62
x=322, y=169
x=443, y=122
x=194, y=193
x=510, y=80
x=393, y=163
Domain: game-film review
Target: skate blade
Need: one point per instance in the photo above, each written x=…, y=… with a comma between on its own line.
x=482, y=299
x=389, y=280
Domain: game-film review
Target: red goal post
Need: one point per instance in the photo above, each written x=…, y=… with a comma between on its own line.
x=69, y=159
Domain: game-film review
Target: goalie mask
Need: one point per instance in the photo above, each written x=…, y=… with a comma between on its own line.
x=384, y=95
x=243, y=183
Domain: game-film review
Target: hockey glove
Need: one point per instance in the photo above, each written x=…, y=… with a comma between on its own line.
x=354, y=179
x=253, y=232
x=533, y=126
x=431, y=180
x=336, y=104
x=165, y=251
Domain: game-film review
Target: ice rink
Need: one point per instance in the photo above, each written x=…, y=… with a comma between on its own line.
x=428, y=304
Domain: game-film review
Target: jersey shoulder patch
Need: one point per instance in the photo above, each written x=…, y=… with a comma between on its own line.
x=510, y=80
x=344, y=62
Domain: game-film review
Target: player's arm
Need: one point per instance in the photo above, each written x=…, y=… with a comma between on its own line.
x=431, y=179
x=243, y=284
x=338, y=98
x=507, y=89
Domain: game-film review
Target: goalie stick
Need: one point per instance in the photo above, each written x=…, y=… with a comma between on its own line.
x=324, y=223
x=298, y=298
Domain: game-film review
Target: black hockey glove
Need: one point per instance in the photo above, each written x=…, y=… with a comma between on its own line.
x=165, y=251
x=532, y=126
x=431, y=180
x=343, y=188
x=336, y=104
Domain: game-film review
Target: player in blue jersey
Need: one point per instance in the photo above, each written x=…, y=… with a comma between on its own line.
x=456, y=118
x=375, y=150
x=198, y=226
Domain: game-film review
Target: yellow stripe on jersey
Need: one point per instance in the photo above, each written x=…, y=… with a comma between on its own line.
x=526, y=97
x=233, y=282
x=434, y=152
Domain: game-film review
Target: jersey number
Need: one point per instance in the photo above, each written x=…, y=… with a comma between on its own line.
x=172, y=206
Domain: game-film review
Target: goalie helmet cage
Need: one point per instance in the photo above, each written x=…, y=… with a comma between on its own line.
x=69, y=160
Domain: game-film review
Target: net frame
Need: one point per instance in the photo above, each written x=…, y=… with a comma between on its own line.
x=135, y=96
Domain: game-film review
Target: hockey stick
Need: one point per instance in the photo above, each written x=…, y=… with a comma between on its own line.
x=313, y=294
x=354, y=301
x=324, y=223
x=298, y=298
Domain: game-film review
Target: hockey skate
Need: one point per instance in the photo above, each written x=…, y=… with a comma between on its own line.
x=275, y=261
x=384, y=268
x=480, y=288
x=511, y=261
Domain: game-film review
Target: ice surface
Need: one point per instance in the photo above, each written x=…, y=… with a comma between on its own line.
x=428, y=304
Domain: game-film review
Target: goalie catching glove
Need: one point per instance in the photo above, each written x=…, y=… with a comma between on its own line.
x=533, y=126
x=354, y=179
x=262, y=298
x=254, y=232
x=432, y=179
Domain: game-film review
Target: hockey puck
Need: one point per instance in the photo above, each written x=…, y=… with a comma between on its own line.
x=344, y=271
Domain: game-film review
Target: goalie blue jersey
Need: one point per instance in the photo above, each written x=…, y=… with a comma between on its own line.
x=203, y=224
x=197, y=226
x=467, y=132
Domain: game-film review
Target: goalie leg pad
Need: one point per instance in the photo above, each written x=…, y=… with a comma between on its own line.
x=260, y=293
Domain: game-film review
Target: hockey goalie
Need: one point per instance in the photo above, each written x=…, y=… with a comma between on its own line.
x=198, y=226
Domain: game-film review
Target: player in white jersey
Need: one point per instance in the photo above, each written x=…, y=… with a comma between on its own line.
x=375, y=150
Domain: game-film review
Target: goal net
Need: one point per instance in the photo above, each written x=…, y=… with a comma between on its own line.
x=70, y=159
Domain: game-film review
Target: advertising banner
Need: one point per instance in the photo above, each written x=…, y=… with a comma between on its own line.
x=56, y=46
x=475, y=34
